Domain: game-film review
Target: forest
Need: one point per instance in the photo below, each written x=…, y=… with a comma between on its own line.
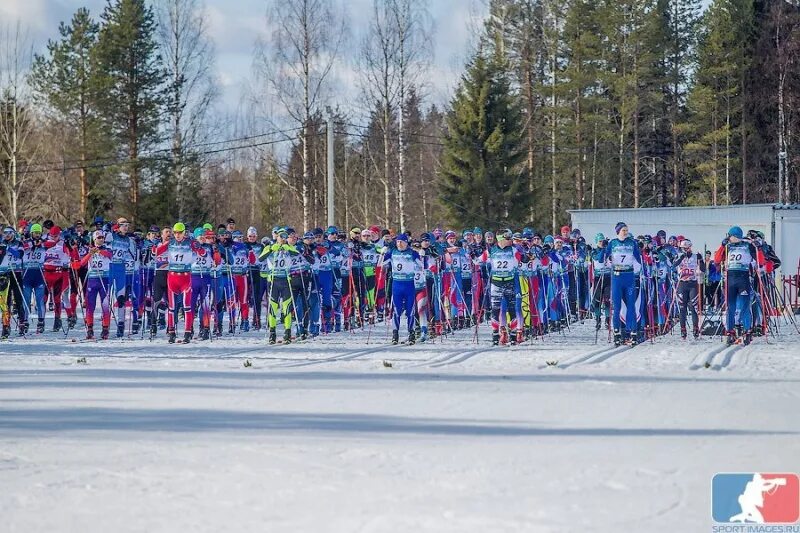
x=560, y=105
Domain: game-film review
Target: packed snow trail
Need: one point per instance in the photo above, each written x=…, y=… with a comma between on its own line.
x=322, y=436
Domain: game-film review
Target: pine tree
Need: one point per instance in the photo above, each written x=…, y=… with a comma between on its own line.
x=132, y=86
x=482, y=176
x=65, y=80
x=581, y=75
x=715, y=107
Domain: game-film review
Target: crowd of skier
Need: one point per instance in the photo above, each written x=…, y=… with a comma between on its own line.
x=522, y=284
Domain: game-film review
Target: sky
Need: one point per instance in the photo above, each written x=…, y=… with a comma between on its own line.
x=236, y=25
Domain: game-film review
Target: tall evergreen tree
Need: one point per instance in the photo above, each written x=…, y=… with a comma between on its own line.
x=715, y=107
x=133, y=88
x=65, y=80
x=482, y=175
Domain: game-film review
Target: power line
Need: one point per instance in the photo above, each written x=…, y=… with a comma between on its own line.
x=108, y=162
x=153, y=154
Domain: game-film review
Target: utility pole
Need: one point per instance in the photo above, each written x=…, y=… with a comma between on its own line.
x=331, y=214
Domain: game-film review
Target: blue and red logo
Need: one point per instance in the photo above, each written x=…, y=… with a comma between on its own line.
x=755, y=498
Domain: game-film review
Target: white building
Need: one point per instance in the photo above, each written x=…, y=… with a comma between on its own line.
x=705, y=226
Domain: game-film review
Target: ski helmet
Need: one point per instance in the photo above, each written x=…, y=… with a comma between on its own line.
x=735, y=231
x=548, y=239
x=332, y=230
x=197, y=232
x=599, y=238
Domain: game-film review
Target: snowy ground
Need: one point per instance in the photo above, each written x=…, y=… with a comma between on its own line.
x=321, y=436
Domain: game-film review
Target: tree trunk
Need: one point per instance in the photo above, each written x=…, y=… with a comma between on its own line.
x=579, y=144
x=553, y=127
x=636, y=177
x=594, y=165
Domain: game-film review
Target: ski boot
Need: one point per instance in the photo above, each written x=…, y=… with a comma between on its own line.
x=347, y=324
x=71, y=321
x=218, y=329
x=135, y=327
x=6, y=332
x=730, y=340
x=121, y=330
x=162, y=322
x=617, y=338
x=273, y=336
x=171, y=336
x=40, y=325
x=303, y=335
x=395, y=337
x=256, y=324
x=423, y=335
x=520, y=336
x=187, y=337
x=89, y=333
x=684, y=333
x=57, y=324
x=245, y=326
x=757, y=331
x=287, y=336
x=696, y=333
x=231, y=329
x=503, y=336
x=337, y=327
x=748, y=338
x=23, y=329
x=204, y=334
x=635, y=338
x=153, y=329
x=104, y=333
x=495, y=337
x=412, y=337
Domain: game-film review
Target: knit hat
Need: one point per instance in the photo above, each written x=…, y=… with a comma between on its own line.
x=619, y=227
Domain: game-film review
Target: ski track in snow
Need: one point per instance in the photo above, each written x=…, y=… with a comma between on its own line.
x=347, y=432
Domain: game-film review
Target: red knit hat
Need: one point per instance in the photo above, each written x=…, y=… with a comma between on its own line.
x=55, y=230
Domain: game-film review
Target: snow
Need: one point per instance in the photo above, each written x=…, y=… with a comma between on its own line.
x=321, y=436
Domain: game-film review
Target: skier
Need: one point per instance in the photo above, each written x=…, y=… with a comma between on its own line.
x=504, y=261
x=240, y=258
x=690, y=271
x=739, y=259
x=123, y=248
x=159, y=292
x=280, y=258
x=202, y=289
x=626, y=264
x=11, y=267
x=57, y=259
x=97, y=261
x=180, y=251
x=601, y=281
x=256, y=292
x=404, y=264
x=10, y=254
x=33, y=284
